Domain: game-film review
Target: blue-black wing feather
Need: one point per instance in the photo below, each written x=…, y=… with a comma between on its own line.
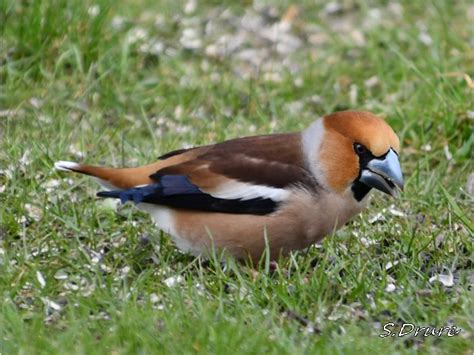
x=178, y=192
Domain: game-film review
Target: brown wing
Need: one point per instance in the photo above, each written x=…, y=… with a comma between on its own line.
x=275, y=161
x=249, y=175
x=243, y=168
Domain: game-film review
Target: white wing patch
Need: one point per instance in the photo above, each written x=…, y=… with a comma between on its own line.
x=237, y=190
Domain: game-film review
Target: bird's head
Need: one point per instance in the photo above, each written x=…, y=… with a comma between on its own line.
x=357, y=151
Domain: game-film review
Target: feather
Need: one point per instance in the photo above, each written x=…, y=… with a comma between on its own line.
x=246, y=175
x=177, y=191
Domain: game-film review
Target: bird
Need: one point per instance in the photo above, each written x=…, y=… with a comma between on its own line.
x=274, y=193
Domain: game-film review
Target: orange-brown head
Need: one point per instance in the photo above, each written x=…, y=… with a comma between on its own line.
x=357, y=150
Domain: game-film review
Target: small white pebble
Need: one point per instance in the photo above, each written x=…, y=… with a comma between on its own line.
x=371, y=82
x=40, y=278
x=71, y=286
x=152, y=47
x=154, y=298
x=425, y=38
x=190, y=39
x=190, y=6
x=178, y=111
x=60, y=275
x=50, y=304
x=447, y=153
x=446, y=279
x=395, y=9
x=358, y=38
x=25, y=160
x=34, y=212
x=376, y=218
x=35, y=102
x=93, y=11
x=309, y=329
x=200, y=288
x=470, y=184
x=136, y=34
x=124, y=271
x=332, y=8
x=298, y=82
x=389, y=265
x=118, y=22
x=367, y=242
x=7, y=113
x=390, y=288
x=396, y=212
x=173, y=281
x=76, y=152
x=51, y=185
x=426, y=147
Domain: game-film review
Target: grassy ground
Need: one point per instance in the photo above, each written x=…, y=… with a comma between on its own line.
x=119, y=82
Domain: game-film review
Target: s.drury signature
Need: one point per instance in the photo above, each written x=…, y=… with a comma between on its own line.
x=404, y=329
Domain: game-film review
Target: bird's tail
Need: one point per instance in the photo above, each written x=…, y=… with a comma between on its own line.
x=112, y=178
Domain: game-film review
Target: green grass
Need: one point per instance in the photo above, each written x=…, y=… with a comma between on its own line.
x=75, y=86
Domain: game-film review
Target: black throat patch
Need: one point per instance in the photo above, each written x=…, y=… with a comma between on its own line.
x=360, y=190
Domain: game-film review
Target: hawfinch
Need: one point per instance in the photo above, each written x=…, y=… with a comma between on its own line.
x=286, y=190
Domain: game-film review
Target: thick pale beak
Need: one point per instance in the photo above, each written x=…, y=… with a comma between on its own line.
x=384, y=174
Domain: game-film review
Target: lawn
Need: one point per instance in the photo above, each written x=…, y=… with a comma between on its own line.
x=121, y=82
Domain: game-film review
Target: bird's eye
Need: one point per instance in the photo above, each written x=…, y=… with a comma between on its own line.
x=359, y=148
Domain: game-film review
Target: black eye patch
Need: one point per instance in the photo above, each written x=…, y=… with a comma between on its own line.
x=365, y=156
